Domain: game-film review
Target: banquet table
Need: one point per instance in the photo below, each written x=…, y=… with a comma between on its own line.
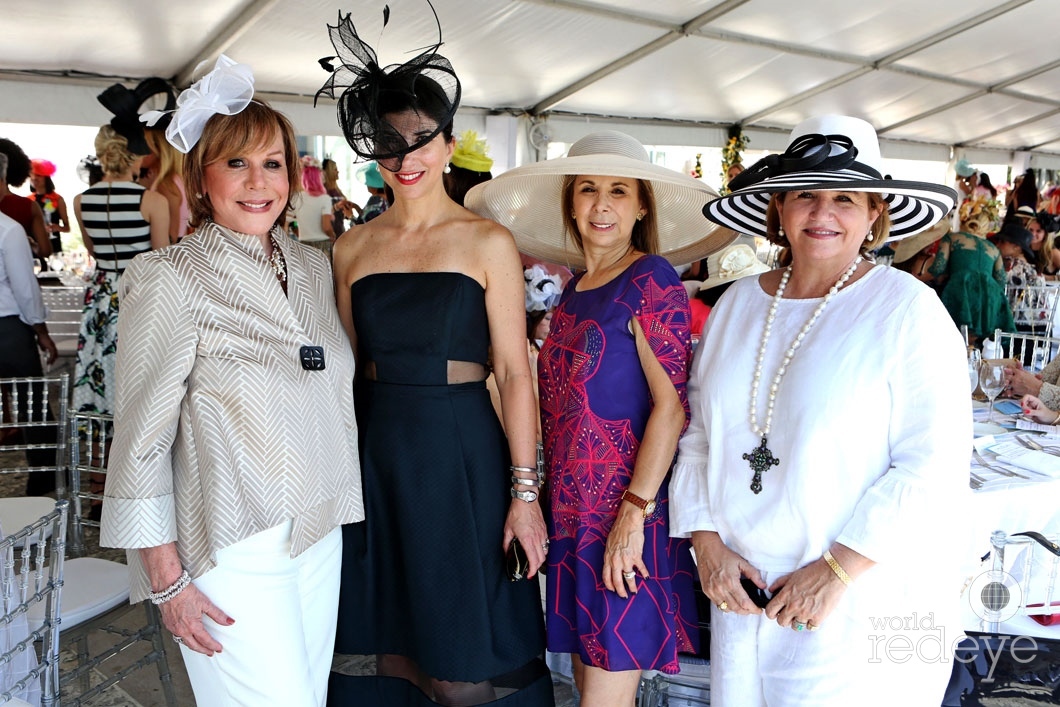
x=1009, y=497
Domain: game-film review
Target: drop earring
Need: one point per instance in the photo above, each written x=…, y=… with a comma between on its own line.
x=869, y=237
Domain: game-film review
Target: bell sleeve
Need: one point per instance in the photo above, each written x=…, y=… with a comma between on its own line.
x=689, y=497
x=925, y=489
x=155, y=356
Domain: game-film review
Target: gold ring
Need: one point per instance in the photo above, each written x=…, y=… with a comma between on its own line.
x=811, y=626
x=724, y=606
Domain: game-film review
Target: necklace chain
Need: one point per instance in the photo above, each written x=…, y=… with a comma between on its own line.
x=276, y=260
x=763, y=431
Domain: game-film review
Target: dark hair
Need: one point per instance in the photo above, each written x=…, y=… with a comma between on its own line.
x=18, y=164
x=532, y=320
x=417, y=93
x=1027, y=191
x=225, y=136
x=460, y=180
x=645, y=236
x=984, y=181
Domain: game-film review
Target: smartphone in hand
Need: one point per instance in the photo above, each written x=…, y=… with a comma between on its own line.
x=758, y=596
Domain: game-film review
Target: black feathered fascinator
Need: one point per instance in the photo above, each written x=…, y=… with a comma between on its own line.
x=369, y=96
x=126, y=104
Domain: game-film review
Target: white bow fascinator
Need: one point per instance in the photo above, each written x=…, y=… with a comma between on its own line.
x=227, y=90
x=542, y=289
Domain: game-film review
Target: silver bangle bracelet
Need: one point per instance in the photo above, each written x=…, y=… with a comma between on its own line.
x=524, y=469
x=170, y=592
x=525, y=496
x=526, y=482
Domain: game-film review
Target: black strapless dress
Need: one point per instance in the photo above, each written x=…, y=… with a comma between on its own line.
x=423, y=576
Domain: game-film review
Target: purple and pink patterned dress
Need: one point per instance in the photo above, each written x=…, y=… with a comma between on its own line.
x=595, y=403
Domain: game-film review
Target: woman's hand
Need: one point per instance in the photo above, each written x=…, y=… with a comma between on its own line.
x=1037, y=410
x=624, y=552
x=526, y=523
x=807, y=595
x=720, y=570
x=1019, y=382
x=183, y=614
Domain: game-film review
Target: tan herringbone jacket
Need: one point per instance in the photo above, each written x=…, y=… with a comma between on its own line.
x=219, y=431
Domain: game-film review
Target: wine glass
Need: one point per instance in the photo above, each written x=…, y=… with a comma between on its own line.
x=992, y=381
x=975, y=360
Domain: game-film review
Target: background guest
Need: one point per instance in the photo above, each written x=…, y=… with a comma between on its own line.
x=54, y=206
x=915, y=254
x=343, y=209
x=313, y=208
x=971, y=273
x=169, y=182
x=469, y=165
x=21, y=209
x=23, y=330
x=377, y=202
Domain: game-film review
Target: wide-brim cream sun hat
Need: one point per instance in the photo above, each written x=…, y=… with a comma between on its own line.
x=908, y=247
x=527, y=201
x=732, y=263
x=835, y=153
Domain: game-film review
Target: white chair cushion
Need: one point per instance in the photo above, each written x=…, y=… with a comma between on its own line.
x=91, y=587
x=17, y=513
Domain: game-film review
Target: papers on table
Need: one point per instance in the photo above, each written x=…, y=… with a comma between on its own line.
x=1004, y=462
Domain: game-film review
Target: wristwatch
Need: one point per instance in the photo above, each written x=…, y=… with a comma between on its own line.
x=646, y=507
x=528, y=496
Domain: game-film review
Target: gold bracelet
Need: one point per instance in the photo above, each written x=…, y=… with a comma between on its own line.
x=1056, y=420
x=837, y=568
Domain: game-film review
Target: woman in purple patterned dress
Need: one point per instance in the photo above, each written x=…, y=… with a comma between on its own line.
x=612, y=386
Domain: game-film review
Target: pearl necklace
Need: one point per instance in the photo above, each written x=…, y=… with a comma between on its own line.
x=761, y=458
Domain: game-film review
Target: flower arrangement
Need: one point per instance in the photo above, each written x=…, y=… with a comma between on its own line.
x=697, y=171
x=730, y=154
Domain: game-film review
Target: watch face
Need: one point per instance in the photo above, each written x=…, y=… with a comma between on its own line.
x=649, y=508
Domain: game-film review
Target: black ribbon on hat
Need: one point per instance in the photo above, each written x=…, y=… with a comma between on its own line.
x=808, y=153
x=126, y=104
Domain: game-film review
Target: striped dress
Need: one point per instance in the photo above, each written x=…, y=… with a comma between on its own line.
x=110, y=212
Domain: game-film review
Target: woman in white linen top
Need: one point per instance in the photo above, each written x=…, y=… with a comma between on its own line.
x=863, y=451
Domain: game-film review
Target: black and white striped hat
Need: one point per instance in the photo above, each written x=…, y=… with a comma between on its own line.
x=829, y=152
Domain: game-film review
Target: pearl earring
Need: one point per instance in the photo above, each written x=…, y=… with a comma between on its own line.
x=869, y=237
x=780, y=231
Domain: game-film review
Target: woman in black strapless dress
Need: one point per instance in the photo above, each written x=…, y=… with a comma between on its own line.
x=426, y=291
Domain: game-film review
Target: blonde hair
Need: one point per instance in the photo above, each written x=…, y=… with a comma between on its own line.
x=170, y=160
x=113, y=151
x=880, y=229
x=226, y=136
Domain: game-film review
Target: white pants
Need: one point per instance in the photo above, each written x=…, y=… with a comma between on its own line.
x=279, y=650
x=757, y=663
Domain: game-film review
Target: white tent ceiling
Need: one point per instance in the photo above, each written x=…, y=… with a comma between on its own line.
x=975, y=75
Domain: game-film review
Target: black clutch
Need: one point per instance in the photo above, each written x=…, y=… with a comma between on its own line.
x=516, y=561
